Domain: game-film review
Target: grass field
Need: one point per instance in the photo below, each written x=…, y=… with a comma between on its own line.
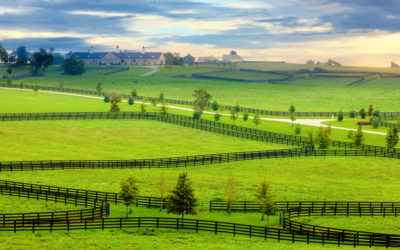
x=308, y=95
x=242, y=75
x=296, y=179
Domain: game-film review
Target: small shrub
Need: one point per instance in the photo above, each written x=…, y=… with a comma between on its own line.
x=352, y=114
x=237, y=109
x=216, y=117
x=106, y=98
x=375, y=123
x=196, y=115
x=245, y=116
x=131, y=101
x=340, y=116
x=376, y=113
x=350, y=135
x=363, y=113
x=297, y=130
x=215, y=106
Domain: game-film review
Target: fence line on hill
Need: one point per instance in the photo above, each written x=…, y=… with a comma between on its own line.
x=384, y=115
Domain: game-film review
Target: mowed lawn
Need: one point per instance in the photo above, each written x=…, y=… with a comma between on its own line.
x=175, y=83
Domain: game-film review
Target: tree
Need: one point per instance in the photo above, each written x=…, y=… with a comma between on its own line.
x=61, y=85
x=233, y=53
x=9, y=82
x=362, y=113
x=134, y=92
x=266, y=200
x=143, y=105
x=131, y=101
x=161, y=97
x=202, y=100
x=394, y=65
x=22, y=55
x=230, y=191
x=375, y=122
x=391, y=137
x=352, y=114
x=21, y=85
x=73, y=66
x=222, y=109
x=292, y=118
x=376, y=113
x=214, y=106
x=196, y=115
x=129, y=192
x=182, y=200
x=173, y=59
x=40, y=61
x=106, y=98
x=310, y=140
x=3, y=54
x=245, y=116
x=234, y=115
x=310, y=61
x=164, y=109
x=292, y=109
x=236, y=108
x=322, y=138
x=217, y=116
x=115, y=98
x=35, y=89
x=189, y=59
x=340, y=116
x=154, y=102
x=358, y=137
x=98, y=87
x=297, y=130
x=256, y=119
x=370, y=110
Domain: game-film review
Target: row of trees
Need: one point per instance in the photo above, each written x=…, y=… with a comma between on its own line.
x=330, y=62
x=182, y=198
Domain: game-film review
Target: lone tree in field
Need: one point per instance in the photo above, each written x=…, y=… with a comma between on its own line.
x=134, y=92
x=340, y=116
x=143, y=105
x=392, y=137
x=35, y=89
x=322, y=138
x=362, y=112
x=256, y=119
x=114, y=99
x=73, y=66
x=154, y=102
x=266, y=200
x=182, y=199
x=98, y=87
x=358, y=137
x=214, y=106
x=129, y=192
x=230, y=191
x=202, y=100
x=370, y=110
x=164, y=109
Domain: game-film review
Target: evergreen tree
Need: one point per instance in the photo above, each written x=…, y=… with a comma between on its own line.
x=292, y=109
x=134, y=92
x=358, y=137
x=237, y=108
x=215, y=106
x=131, y=101
x=245, y=116
x=392, y=137
x=340, y=116
x=352, y=114
x=362, y=112
x=182, y=199
x=129, y=192
x=266, y=200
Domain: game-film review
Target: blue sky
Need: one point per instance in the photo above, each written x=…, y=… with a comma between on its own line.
x=354, y=32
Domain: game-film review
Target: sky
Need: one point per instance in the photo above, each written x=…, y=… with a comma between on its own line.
x=353, y=32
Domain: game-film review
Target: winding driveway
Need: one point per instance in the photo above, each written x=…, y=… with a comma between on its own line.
x=154, y=69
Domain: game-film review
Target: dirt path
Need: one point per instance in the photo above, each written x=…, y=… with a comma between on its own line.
x=307, y=122
x=154, y=70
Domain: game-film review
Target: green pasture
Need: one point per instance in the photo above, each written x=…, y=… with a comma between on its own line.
x=320, y=94
x=28, y=101
x=243, y=75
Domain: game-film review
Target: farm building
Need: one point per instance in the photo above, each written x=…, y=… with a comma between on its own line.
x=120, y=57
